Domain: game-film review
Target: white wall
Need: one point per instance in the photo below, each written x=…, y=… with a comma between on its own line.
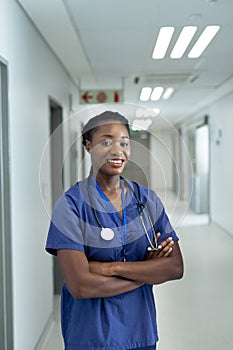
x=34, y=75
x=161, y=160
x=221, y=158
x=221, y=164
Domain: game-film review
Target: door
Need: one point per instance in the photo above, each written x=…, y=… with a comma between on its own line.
x=138, y=167
x=6, y=319
x=201, y=177
x=56, y=150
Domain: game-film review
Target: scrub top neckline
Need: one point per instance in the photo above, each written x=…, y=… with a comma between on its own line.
x=123, y=218
x=107, y=200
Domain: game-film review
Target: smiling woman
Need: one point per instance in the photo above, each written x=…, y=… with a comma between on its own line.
x=100, y=231
x=109, y=148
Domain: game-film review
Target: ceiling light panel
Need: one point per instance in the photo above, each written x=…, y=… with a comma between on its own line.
x=167, y=93
x=157, y=93
x=166, y=33
x=162, y=42
x=146, y=113
x=183, y=41
x=155, y=111
x=141, y=124
x=145, y=93
x=204, y=40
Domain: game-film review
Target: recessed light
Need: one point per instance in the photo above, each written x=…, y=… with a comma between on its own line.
x=167, y=93
x=141, y=124
x=162, y=43
x=157, y=93
x=155, y=112
x=205, y=38
x=145, y=93
x=183, y=41
x=139, y=112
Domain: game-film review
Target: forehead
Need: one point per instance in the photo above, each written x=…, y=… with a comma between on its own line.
x=111, y=128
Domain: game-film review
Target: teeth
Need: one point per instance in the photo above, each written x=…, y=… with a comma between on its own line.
x=115, y=161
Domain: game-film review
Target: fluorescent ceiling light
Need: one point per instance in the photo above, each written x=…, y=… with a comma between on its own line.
x=162, y=43
x=183, y=41
x=155, y=112
x=157, y=93
x=141, y=124
x=139, y=113
x=167, y=93
x=146, y=113
x=145, y=93
x=203, y=41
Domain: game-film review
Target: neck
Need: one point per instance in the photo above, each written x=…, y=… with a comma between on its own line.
x=108, y=183
x=111, y=187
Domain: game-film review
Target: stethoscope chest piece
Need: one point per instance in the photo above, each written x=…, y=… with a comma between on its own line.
x=107, y=234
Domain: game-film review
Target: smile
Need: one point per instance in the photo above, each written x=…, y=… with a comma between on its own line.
x=115, y=161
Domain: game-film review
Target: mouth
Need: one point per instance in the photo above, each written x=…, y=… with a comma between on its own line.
x=116, y=162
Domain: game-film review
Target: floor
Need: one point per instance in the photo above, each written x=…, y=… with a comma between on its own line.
x=197, y=311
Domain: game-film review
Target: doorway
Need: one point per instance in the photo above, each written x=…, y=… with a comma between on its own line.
x=138, y=167
x=200, y=198
x=6, y=312
x=56, y=151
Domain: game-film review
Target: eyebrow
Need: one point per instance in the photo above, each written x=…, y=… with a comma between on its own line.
x=111, y=136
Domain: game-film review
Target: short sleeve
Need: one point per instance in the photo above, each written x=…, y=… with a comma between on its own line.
x=162, y=222
x=65, y=230
x=165, y=228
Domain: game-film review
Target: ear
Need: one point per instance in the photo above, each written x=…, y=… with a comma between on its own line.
x=88, y=146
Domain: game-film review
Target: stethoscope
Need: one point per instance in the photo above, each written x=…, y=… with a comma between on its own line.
x=107, y=234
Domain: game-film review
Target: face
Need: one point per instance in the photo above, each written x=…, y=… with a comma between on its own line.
x=109, y=148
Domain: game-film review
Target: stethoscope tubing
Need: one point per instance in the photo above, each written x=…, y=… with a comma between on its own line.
x=140, y=207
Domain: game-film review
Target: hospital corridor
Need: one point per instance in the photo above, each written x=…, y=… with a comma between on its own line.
x=116, y=122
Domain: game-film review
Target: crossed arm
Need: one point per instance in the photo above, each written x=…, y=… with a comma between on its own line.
x=105, y=279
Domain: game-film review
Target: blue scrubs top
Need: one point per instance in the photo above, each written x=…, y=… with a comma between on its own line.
x=125, y=321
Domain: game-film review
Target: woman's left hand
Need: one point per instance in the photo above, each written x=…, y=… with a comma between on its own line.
x=164, y=249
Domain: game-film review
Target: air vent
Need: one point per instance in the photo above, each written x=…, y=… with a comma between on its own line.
x=171, y=79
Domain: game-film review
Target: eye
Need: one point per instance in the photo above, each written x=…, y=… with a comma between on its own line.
x=106, y=143
x=124, y=144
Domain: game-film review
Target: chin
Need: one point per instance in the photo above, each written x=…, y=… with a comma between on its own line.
x=113, y=172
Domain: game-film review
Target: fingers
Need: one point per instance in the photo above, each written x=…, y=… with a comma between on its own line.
x=165, y=248
x=167, y=253
x=150, y=255
x=167, y=242
x=158, y=234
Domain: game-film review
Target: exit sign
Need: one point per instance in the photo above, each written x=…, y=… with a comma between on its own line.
x=101, y=96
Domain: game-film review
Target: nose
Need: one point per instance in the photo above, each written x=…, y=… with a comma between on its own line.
x=116, y=149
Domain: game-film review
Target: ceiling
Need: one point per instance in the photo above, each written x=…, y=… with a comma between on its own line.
x=106, y=44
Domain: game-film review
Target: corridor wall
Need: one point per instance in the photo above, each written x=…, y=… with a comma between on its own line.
x=221, y=162
x=219, y=111
x=34, y=74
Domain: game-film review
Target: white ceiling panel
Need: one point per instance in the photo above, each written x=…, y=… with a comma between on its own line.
x=108, y=43
x=109, y=14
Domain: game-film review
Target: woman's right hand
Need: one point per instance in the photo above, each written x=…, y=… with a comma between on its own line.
x=164, y=249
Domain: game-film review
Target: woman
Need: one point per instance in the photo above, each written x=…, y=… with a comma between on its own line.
x=113, y=241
